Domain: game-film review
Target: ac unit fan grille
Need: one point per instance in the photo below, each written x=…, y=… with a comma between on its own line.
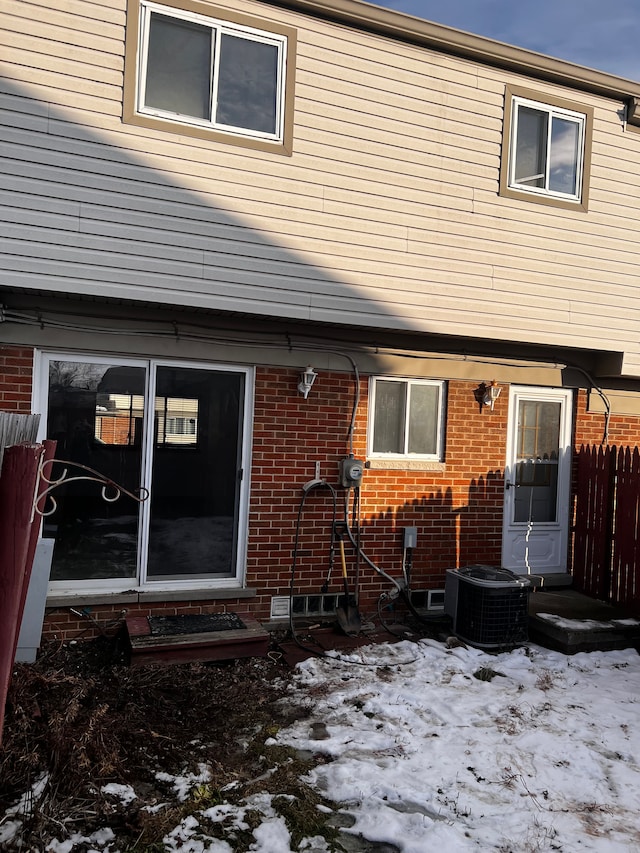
x=492, y=617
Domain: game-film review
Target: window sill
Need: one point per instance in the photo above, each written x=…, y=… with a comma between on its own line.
x=141, y=596
x=404, y=465
x=211, y=134
x=547, y=200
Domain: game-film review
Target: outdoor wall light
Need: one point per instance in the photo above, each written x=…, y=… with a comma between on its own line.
x=491, y=393
x=307, y=378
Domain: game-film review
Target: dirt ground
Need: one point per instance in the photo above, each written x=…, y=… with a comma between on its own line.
x=84, y=717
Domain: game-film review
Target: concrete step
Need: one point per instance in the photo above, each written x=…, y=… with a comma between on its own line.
x=570, y=622
x=557, y=580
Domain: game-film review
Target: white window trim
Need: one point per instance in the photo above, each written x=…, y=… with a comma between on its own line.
x=580, y=119
x=418, y=457
x=141, y=584
x=221, y=27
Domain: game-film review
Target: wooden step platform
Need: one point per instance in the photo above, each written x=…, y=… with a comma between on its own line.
x=182, y=639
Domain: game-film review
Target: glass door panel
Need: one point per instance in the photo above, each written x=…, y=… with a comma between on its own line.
x=536, y=463
x=535, y=531
x=195, y=480
x=95, y=413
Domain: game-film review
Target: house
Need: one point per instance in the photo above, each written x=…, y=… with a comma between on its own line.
x=294, y=268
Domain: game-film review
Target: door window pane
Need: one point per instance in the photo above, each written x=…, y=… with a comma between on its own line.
x=536, y=475
x=538, y=429
x=536, y=493
x=247, y=84
x=195, y=481
x=95, y=414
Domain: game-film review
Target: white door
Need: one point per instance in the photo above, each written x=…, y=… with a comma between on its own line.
x=537, y=481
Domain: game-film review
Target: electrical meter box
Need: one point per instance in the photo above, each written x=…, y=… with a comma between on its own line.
x=351, y=471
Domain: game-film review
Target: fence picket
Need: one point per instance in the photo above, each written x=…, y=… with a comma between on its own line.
x=606, y=541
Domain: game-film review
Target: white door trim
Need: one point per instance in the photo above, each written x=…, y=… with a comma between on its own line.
x=529, y=546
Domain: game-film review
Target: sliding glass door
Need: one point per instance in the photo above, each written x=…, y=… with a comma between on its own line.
x=195, y=473
x=176, y=430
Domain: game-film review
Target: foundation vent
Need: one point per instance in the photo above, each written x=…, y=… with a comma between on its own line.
x=280, y=607
x=303, y=605
x=431, y=600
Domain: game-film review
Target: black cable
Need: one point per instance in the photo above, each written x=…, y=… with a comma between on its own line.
x=603, y=397
x=405, y=594
x=305, y=491
x=294, y=636
x=381, y=618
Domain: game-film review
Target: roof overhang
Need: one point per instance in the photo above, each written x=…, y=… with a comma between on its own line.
x=30, y=316
x=407, y=28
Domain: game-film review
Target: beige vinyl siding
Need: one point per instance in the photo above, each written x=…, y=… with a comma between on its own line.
x=387, y=214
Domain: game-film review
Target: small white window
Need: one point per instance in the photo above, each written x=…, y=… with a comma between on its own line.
x=181, y=426
x=546, y=150
x=208, y=73
x=406, y=419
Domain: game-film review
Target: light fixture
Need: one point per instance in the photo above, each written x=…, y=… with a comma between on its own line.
x=307, y=378
x=490, y=393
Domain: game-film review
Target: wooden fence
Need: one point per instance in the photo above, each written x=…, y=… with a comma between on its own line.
x=606, y=540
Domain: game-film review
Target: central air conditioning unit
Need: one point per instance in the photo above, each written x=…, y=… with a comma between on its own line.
x=489, y=606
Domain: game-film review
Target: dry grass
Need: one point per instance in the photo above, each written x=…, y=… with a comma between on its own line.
x=85, y=719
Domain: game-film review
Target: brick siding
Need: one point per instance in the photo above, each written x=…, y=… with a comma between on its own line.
x=16, y=370
x=457, y=509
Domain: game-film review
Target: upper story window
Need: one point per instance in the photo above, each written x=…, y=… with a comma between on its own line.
x=546, y=150
x=199, y=74
x=407, y=420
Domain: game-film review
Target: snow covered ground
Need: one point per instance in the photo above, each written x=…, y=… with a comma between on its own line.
x=432, y=751
x=430, y=748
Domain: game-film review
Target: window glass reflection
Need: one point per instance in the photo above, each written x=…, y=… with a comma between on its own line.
x=95, y=414
x=179, y=67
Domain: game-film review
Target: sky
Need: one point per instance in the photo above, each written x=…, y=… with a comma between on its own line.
x=431, y=746
x=600, y=34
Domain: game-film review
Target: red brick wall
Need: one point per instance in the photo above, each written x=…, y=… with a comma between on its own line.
x=457, y=509
x=114, y=429
x=624, y=430
x=75, y=623
x=16, y=365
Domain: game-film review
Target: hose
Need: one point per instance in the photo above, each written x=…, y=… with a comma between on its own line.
x=405, y=593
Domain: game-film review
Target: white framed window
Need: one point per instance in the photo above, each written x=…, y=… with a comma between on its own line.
x=212, y=74
x=181, y=426
x=406, y=419
x=548, y=147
